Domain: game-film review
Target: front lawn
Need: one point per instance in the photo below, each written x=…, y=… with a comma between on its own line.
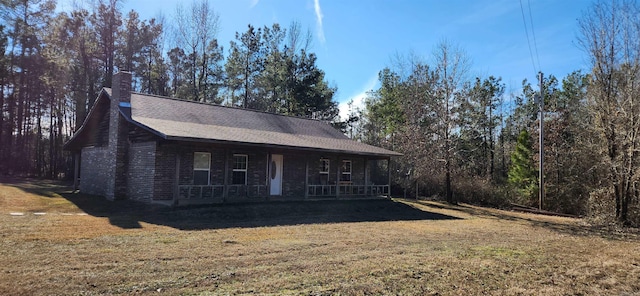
x=54, y=242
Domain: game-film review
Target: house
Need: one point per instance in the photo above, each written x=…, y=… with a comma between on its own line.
x=175, y=152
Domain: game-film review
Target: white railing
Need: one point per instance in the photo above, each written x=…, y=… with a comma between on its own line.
x=347, y=190
x=246, y=190
x=321, y=190
x=201, y=192
x=217, y=192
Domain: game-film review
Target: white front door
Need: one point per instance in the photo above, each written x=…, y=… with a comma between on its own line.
x=275, y=173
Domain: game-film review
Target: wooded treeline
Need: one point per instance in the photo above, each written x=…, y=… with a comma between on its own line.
x=53, y=65
x=464, y=139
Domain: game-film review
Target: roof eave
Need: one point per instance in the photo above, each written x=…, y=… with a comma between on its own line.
x=126, y=113
x=362, y=153
x=66, y=146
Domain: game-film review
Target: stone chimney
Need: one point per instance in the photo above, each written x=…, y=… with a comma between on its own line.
x=117, y=150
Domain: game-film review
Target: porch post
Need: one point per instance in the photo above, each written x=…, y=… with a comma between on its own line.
x=366, y=175
x=267, y=177
x=176, y=192
x=306, y=179
x=338, y=178
x=389, y=176
x=225, y=188
x=76, y=170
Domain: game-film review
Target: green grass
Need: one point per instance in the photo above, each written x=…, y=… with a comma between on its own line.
x=304, y=248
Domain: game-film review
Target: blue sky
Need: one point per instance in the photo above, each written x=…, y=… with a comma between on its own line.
x=355, y=39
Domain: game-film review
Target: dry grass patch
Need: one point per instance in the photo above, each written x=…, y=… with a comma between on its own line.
x=27, y=195
x=348, y=248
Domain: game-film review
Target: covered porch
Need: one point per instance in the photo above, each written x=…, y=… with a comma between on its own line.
x=345, y=176
x=311, y=176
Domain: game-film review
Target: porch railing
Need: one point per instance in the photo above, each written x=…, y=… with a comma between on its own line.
x=347, y=190
x=217, y=192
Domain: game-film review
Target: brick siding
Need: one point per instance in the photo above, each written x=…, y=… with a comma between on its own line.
x=165, y=171
x=293, y=176
x=93, y=170
x=335, y=165
x=141, y=171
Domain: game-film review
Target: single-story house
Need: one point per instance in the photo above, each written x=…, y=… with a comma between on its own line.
x=176, y=152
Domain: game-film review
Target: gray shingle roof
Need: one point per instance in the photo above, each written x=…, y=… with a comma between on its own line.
x=174, y=119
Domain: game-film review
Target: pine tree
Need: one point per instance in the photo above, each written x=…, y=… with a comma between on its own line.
x=522, y=174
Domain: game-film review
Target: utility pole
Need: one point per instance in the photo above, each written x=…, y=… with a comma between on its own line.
x=541, y=168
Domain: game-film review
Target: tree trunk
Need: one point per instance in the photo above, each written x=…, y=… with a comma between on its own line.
x=2, y=139
x=448, y=191
x=492, y=146
x=39, y=149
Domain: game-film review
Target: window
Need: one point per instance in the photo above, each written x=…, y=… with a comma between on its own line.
x=239, y=176
x=324, y=171
x=324, y=166
x=346, y=171
x=201, y=168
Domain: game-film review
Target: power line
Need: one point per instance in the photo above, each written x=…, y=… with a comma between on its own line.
x=533, y=33
x=524, y=20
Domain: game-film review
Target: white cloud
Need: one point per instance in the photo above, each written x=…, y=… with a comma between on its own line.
x=253, y=3
x=319, y=16
x=358, y=99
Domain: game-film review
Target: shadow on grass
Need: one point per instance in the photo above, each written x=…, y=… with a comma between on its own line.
x=575, y=229
x=41, y=187
x=129, y=214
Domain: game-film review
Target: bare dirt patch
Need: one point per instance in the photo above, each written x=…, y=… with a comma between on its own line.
x=313, y=248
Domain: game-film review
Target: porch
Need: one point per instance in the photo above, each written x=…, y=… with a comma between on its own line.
x=228, y=175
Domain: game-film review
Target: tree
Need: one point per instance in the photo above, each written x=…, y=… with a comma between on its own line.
x=609, y=35
x=244, y=66
x=176, y=69
x=420, y=139
x=270, y=82
x=106, y=20
x=479, y=119
x=196, y=33
x=51, y=160
x=384, y=114
x=307, y=93
x=451, y=66
x=265, y=74
x=4, y=75
x=82, y=47
x=570, y=152
x=522, y=174
x=139, y=52
x=24, y=87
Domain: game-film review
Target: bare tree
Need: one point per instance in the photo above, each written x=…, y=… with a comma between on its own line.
x=296, y=40
x=610, y=35
x=451, y=67
x=195, y=32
